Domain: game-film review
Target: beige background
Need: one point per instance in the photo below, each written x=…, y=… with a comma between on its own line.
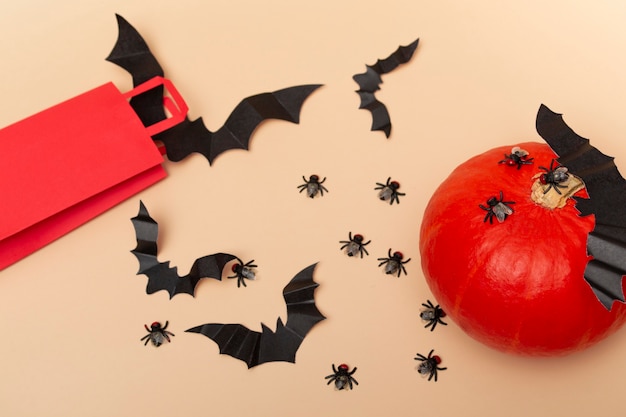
x=72, y=314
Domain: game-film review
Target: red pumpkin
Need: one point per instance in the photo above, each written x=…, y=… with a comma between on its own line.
x=515, y=285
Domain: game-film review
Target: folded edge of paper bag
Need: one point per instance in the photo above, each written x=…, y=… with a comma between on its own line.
x=27, y=241
x=71, y=162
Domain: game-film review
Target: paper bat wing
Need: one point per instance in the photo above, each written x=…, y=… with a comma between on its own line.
x=369, y=82
x=160, y=275
x=193, y=136
x=607, y=202
x=302, y=313
x=255, y=348
x=132, y=53
x=235, y=340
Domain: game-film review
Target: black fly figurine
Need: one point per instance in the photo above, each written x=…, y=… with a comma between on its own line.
x=243, y=271
x=429, y=365
x=157, y=334
x=342, y=377
x=389, y=191
x=517, y=157
x=355, y=245
x=313, y=186
x=393, y=263
x=498, y=208
x=553, y=177
x=432, y=315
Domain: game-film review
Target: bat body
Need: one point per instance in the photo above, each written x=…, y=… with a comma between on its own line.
x=160, y=275
x=132, y=53
x=369, y=82
x=255, y=348
x=607, y=202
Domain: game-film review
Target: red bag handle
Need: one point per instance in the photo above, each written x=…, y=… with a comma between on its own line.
x=177, y=107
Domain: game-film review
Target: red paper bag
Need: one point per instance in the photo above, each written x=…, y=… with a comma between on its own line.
x=65, y=165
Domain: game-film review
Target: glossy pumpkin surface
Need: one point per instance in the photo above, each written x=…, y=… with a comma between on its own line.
x=515, y=285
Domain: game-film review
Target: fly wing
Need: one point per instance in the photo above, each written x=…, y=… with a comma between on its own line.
x=501, y=211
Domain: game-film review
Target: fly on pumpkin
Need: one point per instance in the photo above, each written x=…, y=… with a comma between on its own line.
x=497, y=208
x=517, y=157
x=553, y=177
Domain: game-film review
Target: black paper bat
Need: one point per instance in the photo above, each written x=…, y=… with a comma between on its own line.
x=160, y=275
x=369, y=82
x=132, y=53
x=607, y=201
x=255, y=348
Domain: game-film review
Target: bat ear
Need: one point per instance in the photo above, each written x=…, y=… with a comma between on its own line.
x=544, y=117
x=143, y=211
x=132, y=53
x=128, y=41
x=146, y=230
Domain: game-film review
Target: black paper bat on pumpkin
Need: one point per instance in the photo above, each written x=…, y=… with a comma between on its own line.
x=160, y=275
x=369, y=82
x=132, y=53
x=607, y=201
x=255, y=348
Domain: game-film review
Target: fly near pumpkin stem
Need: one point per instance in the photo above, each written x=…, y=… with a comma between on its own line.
x=553, y=199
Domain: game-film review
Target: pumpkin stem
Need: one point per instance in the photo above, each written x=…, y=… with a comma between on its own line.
x=553, y=199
